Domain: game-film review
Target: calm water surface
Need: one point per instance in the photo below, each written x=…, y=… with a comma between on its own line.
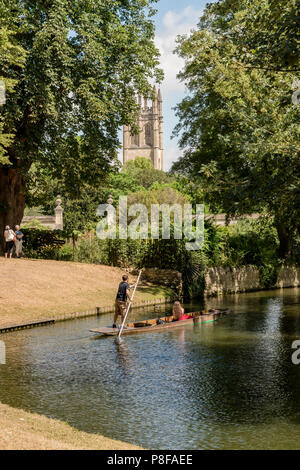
x=225, y=385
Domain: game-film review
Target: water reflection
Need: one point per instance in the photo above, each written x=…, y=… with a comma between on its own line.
x=123, y=354
x=228, y=384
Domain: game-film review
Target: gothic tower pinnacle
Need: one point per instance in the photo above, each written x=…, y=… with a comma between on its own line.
x=148, y=142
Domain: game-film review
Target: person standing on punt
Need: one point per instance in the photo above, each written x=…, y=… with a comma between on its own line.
x=121, y=300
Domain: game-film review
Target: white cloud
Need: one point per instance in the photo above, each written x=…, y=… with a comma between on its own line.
x=171, y=154
x=173, y=25
x=120, y=152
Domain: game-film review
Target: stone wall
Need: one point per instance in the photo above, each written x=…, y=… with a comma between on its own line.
x=220, y=281
x=164, y=277
x=289, y=277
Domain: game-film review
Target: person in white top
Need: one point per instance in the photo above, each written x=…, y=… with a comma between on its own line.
x=9, y=236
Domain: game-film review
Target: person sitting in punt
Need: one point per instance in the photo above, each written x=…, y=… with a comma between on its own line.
x=178, y=312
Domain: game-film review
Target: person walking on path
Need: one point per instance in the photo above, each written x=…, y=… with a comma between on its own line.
x=19, y=241
x=9, y=236
x=121, y=300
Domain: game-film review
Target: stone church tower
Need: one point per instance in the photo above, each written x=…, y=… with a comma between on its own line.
x=149, y=142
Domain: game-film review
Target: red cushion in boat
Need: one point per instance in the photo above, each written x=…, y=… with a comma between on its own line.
x=185, y=317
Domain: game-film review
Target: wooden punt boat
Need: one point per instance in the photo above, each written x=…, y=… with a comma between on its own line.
x=163, y=323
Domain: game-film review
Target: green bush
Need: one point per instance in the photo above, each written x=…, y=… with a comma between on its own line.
x=42, y=243
x=65, y=253
x=91, y=250
x=172, y=254
x=268, y=274
x=126, y=253
x=253, y=242
x=248, y=242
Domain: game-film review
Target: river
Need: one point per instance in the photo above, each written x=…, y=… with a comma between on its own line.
x=227, y=385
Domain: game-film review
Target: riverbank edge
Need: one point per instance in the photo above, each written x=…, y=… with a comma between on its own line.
x=23, y=430
x=221, y=281
x=97, y=311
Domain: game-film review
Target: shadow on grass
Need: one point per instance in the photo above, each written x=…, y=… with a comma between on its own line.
x=156, y=290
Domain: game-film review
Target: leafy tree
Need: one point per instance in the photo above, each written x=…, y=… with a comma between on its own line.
x=266, y=31
x=11, y=56
x=121, y=184
x=139, y=163
x=80, y=202
x=157, y=194
x=191, y=189
x=142, y=170
x=85, y=63
x=238, y=127
x=81, y=199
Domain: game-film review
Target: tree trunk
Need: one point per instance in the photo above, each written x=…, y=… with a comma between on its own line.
x=12, y=199
x=285, y=241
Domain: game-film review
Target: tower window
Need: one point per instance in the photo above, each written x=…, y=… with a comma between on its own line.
x=135, y=140
x=148, y=134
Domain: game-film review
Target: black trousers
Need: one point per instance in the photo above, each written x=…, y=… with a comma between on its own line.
x=9, y=246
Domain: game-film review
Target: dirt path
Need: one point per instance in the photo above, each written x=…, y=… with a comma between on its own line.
x=38, y=289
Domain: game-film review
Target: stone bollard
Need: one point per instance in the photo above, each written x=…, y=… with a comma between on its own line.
x=59, y=223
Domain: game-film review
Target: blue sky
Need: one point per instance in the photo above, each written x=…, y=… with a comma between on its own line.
x=173, y=18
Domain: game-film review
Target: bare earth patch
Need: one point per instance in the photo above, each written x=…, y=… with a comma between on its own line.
x=20, y=430
x=40, y=289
